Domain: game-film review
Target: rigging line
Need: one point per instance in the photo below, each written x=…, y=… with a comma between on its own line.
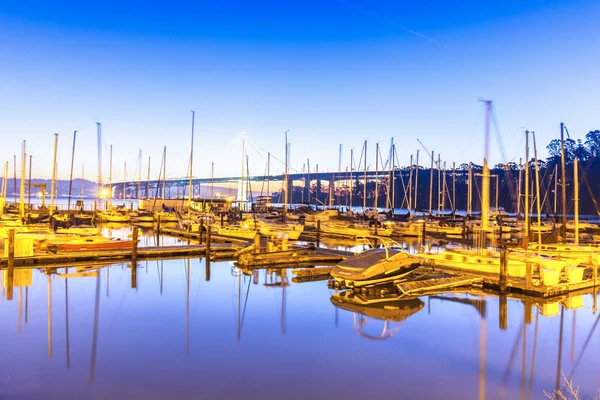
x=245, y=303
x=587, y=340
x=498, y=135
x=272, y=156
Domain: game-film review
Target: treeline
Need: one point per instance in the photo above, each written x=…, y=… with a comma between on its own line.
x=587, y=152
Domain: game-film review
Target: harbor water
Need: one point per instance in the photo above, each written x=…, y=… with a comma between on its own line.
x=182, y=329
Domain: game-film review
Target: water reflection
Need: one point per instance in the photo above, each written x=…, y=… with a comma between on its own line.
x=162, y=329
x=365, y=308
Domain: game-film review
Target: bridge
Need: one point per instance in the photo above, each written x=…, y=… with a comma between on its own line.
x=179, y=188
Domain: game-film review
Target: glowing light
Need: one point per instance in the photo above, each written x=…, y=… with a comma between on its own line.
x=104, y=193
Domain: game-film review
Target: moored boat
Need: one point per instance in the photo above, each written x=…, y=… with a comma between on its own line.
x=376, y=265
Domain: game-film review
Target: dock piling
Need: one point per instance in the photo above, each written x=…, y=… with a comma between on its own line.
x=503, y=269
x=256, y=245
x=595, y=272
x=158, y=226
x=208, y=240
x=134, y=274
x=318, y=232
x=503, y=313
x=201, y=229
x=134, y=244
x=528, y=275
x=11, y=264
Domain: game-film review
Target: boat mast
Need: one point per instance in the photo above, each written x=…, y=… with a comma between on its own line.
x=110, y=167
x=410, y=184
x=15, y=177
x=416, y=182
x=470, y=191
x=307, y=179
x=164, y=172
x=453, y=187
x=563, y=178
x=139, y=185
x=365, y=180
x=393, y=178
x=444, y=188
x=376, y=177
x=555, y=187
x=191, y=164
x=537, y=189
x=351, y=183
x=22, y=188
x=439, y=182
x=285, y=180
x=485, y=186
x=431, y=185
x=526, y=205
x=576, y=198
x=71, y=173
x=99, y=135
x=53, y=176
x=339, y=200
x=519, y=184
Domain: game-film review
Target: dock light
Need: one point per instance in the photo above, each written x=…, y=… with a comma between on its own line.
x=104, y=193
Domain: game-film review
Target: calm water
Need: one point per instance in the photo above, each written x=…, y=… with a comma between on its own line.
x=186, y=332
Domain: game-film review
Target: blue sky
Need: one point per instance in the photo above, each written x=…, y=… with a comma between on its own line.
x=330, y=71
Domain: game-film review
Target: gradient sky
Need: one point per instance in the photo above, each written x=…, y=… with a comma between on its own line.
x=330, y=71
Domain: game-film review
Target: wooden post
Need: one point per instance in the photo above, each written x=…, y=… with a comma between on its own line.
x=595, y=273
x=528, y=275
x=201, y=229
x=528, y=314
x=318, y=232
x=256, y=245
x=134, y=274
x=424, y=232
x=158, y=227
x=11, y=264
x=503, y=269
x=208, y=240
x=221, y=220
x=503, y=315
x=134, y=244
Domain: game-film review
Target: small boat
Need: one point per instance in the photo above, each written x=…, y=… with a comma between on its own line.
x=293, y=231
x=346, y=230
x=376, y=265
x=113, y=216
x=94, y=243
x=235, y=231
x=166, y=216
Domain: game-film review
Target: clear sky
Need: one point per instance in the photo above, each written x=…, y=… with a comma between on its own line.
x=331, y=71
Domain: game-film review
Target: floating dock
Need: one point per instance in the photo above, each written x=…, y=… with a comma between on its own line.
x=217, y=250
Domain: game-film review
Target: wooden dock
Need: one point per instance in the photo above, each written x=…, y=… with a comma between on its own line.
x=218, y=250
x=196, y=236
